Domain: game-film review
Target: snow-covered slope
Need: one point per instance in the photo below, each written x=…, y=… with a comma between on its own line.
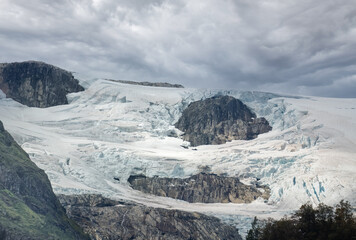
x=114, y=130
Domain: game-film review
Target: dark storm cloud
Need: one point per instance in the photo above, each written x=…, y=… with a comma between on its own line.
x=300, y=47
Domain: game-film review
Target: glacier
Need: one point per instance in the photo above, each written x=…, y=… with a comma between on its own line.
x=113, y=130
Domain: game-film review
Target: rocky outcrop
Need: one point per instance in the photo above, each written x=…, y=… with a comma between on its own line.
x=28, y=207
x=37, y=84
x=149, y=84
x=203, y=187
x=107, y=219
x=220, y=119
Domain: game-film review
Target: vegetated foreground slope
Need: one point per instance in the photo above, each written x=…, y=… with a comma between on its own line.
x=28, y=207
x=117, y=130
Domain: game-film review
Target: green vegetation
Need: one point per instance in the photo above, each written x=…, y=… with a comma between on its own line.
x=17, y=216
x=308, y=224
x=28, y=206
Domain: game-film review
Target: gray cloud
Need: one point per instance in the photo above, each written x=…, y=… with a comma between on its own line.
x=300, y=47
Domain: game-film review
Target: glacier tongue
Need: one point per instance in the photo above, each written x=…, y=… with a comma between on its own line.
x=114, y=130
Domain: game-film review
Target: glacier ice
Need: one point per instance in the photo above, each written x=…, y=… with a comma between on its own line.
x=113, y=130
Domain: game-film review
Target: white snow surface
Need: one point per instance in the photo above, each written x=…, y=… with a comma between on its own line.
x=114, y=130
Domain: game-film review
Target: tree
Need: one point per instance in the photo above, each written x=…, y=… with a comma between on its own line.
x=283, y=229
x=308, y=223
x=306, y=216
x=255, y=231
x=345, y=223
x=324, y=219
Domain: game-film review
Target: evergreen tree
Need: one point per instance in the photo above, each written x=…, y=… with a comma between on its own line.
x=306, y=216
x=322, y=223
x=255, y=231
x=345, y=224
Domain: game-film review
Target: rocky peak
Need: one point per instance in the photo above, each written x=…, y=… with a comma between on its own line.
x=37, y=84
x=220, y=119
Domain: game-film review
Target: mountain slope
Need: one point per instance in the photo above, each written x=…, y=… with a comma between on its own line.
x=29, y=208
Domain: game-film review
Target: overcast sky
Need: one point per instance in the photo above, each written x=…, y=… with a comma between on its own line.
x=292, y=46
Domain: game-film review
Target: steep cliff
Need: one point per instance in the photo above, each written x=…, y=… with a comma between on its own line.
x=203, y=187
x=28, y=207
x=220, y=119
x=107, y=219
x=37, y=84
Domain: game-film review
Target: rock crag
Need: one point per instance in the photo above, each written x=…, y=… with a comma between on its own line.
x=203, y=187
x=37, y=84
x=28, y=207
x=103, y=218
x=149, y=84
x=218, y=120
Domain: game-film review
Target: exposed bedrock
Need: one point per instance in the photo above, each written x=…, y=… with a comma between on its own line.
x=37, y=84
x=220, y=119
x=103, y=218
x=149, y=84
x=203, y=187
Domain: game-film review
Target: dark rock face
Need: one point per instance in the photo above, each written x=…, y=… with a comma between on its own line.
x=119, y=220
x=220, y=119
x=28, y=207
x=37, y=84
x=149, y=84
x=205, y=188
